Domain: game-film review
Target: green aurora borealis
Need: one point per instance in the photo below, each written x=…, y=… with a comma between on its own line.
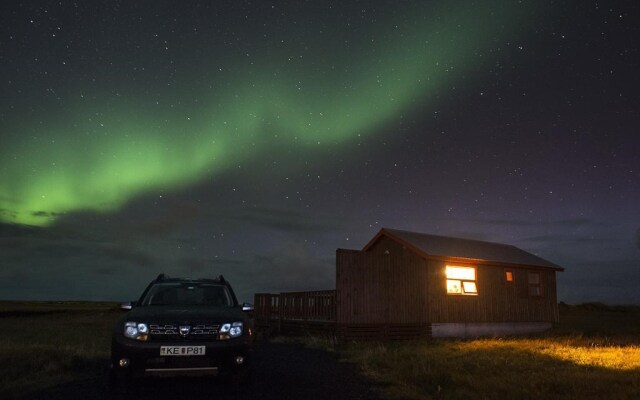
x=99, y=154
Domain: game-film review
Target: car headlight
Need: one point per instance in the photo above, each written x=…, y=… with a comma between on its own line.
x=137, y=331
x=232, y=330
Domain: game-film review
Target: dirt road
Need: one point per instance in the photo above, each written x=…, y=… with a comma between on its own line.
x=281, y=371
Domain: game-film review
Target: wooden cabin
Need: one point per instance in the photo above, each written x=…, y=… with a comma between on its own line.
x=404, y=285
x=444, y=287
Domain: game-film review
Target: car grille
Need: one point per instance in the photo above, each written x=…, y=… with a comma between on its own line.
x=171, y=332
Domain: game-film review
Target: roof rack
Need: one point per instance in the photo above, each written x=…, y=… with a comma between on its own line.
x=164, y=277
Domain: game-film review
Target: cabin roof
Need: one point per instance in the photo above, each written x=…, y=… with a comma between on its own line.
x=431, y=246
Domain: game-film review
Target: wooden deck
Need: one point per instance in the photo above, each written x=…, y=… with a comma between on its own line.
x=296, y=313
x=314, y=313
x=307, y=306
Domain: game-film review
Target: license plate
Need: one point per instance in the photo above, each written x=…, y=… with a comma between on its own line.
x=182, y=350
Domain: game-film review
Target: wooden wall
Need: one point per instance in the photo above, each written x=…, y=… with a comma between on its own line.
x=385, y=285
x=497, y=300
x=390, y=284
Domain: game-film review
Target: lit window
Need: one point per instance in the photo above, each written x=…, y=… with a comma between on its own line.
x=461, y=280
x=535, y=287
x=469, y=287
x=508, y=276
x=454, y=286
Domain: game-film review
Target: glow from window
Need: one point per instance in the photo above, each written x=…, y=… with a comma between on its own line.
x=461, y=280
x=509, y=276
x=464, y=273
x=469, y=287
x=454, y=286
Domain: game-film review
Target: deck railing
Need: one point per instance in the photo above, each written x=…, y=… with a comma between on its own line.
x=317, y=305
x=314, y=313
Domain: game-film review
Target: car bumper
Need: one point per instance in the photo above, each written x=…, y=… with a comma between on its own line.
x=143, y=358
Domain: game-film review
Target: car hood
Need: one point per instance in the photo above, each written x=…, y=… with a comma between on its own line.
x=182, y=314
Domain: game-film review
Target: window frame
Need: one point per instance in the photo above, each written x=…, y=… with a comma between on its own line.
x=508, y=273
x=537, y=286
x=462, y=281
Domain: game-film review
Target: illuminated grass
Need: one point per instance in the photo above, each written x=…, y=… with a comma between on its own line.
x=606, y=356
x=550, y=368
x=594, y=353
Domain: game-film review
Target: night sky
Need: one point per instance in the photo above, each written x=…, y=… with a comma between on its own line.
x=252, y=139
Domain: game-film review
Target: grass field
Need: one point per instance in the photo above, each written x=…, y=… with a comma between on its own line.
x=43, y=344
x=594, y=353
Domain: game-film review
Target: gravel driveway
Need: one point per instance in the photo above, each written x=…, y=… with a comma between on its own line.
x=281, y=371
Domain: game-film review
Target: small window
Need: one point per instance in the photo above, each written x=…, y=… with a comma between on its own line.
x=535, y=287
x=461, y=280
x=469, y=287
x=508, y=276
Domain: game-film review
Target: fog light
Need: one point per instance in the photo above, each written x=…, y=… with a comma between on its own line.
x=239, y=360
x=124, y=362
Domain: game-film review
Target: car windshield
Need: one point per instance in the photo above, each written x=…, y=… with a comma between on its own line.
x=179, y=293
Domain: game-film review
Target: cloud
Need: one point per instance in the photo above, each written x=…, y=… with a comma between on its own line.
x=206, y=267
x=124, y=255
x=284, y=220
x=569, y=223
x=46, y=214
x=136, y=219
x=7, y=214
x=600, y=280
x=291, y=267
x=171, y=217
x=8, y=230
x=63, y=263
x=507, y=222
x=86, y=255
x=294, y=268
x=71, y=280
x=559, y=238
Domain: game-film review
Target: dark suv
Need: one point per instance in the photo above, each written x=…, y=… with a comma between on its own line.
x=183, y=327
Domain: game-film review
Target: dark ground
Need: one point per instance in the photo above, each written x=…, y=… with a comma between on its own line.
x=281, y=371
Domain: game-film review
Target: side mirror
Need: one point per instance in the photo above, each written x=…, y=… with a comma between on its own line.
x=247, y=307
x=127, y=306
